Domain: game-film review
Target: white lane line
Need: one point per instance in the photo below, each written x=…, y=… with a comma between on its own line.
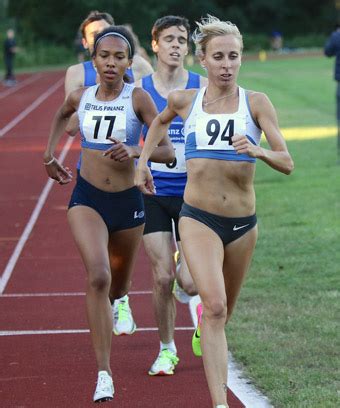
x=243, y=389
x=35, y=214
x=237, y=382
x=21, y=85
x=61, y=294
x=31, y=108
x=5, y=333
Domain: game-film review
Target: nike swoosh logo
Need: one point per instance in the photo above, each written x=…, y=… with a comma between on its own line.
x=196, y=335
x=236, y=228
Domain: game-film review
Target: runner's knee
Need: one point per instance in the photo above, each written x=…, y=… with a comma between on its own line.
x=99, y=277
x=215, y=309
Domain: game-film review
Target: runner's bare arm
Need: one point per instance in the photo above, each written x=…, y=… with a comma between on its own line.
x=277, y=156
x=146, y=110
x=60, y=120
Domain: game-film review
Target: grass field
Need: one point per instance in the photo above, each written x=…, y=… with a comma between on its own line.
x=285, y=330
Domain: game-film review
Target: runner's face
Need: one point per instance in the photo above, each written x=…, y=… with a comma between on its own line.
x=111, y=59
x=91, y=30
x=172, y=45
x=222, y=59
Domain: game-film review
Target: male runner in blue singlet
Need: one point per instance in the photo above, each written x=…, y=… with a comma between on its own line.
x=170, y=37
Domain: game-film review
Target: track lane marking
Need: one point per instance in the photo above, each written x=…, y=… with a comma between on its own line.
x=61, y=294
x=21, y=85
x=29, y=226
x=5, y=333
x=30, y=108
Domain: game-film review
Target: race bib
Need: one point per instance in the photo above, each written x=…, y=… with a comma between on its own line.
x=99, y=126
x=215, y=132
x=177, y=166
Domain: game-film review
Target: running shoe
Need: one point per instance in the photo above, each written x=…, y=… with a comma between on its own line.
x=104, y=389
x=123, y=322
x=179, y=293
x=196, y=338
x=165, y=363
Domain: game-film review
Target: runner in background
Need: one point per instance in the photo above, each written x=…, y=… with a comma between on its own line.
x=84, y=74
x=170, y=38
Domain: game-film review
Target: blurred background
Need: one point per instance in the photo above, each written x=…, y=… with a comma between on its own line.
x=47, y=31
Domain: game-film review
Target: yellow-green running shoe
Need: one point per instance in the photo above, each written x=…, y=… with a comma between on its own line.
x=123, y=322
x=165, y=363
x=196, y=338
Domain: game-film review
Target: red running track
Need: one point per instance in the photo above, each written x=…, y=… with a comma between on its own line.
x=46, y=355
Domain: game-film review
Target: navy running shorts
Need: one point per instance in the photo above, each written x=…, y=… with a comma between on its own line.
x=119, y=210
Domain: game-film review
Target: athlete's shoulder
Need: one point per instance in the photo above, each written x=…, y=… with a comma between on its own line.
x=180, y=98
x=77, y=94
x=75, y=69
x=139, y=92
x=74, y=78
x=256, y=97
x=259, y=103
x=140, y=67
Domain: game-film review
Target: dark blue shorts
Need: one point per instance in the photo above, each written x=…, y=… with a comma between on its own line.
x=121, y=210
x=227, y=228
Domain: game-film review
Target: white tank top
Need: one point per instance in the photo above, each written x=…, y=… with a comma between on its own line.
x=208, y=135
x=101, y=119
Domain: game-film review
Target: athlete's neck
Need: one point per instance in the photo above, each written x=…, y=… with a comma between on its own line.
x=166, y=79
x=214, y=93
x=109, y=91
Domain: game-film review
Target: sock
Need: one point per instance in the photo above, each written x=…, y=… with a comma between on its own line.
x=169, y=346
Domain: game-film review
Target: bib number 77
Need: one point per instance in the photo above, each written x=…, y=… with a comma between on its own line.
x=98, y=120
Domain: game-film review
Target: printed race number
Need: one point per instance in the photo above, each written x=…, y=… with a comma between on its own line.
x=98, y=128
x=98, y=120
x=215, y=132
x=177, y=166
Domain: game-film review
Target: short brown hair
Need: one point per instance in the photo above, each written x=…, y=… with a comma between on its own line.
x=95, y=15
x=169, y=21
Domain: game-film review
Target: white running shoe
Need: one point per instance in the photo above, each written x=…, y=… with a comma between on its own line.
x=165, y=363
x=123, y=322
x=104, y=390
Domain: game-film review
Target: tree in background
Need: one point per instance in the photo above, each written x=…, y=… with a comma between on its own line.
x=57, y=22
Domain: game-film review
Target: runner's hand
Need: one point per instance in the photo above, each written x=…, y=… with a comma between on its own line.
x=243, y=145
x=63, y=175
x=144, y=180
x=119, y=151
